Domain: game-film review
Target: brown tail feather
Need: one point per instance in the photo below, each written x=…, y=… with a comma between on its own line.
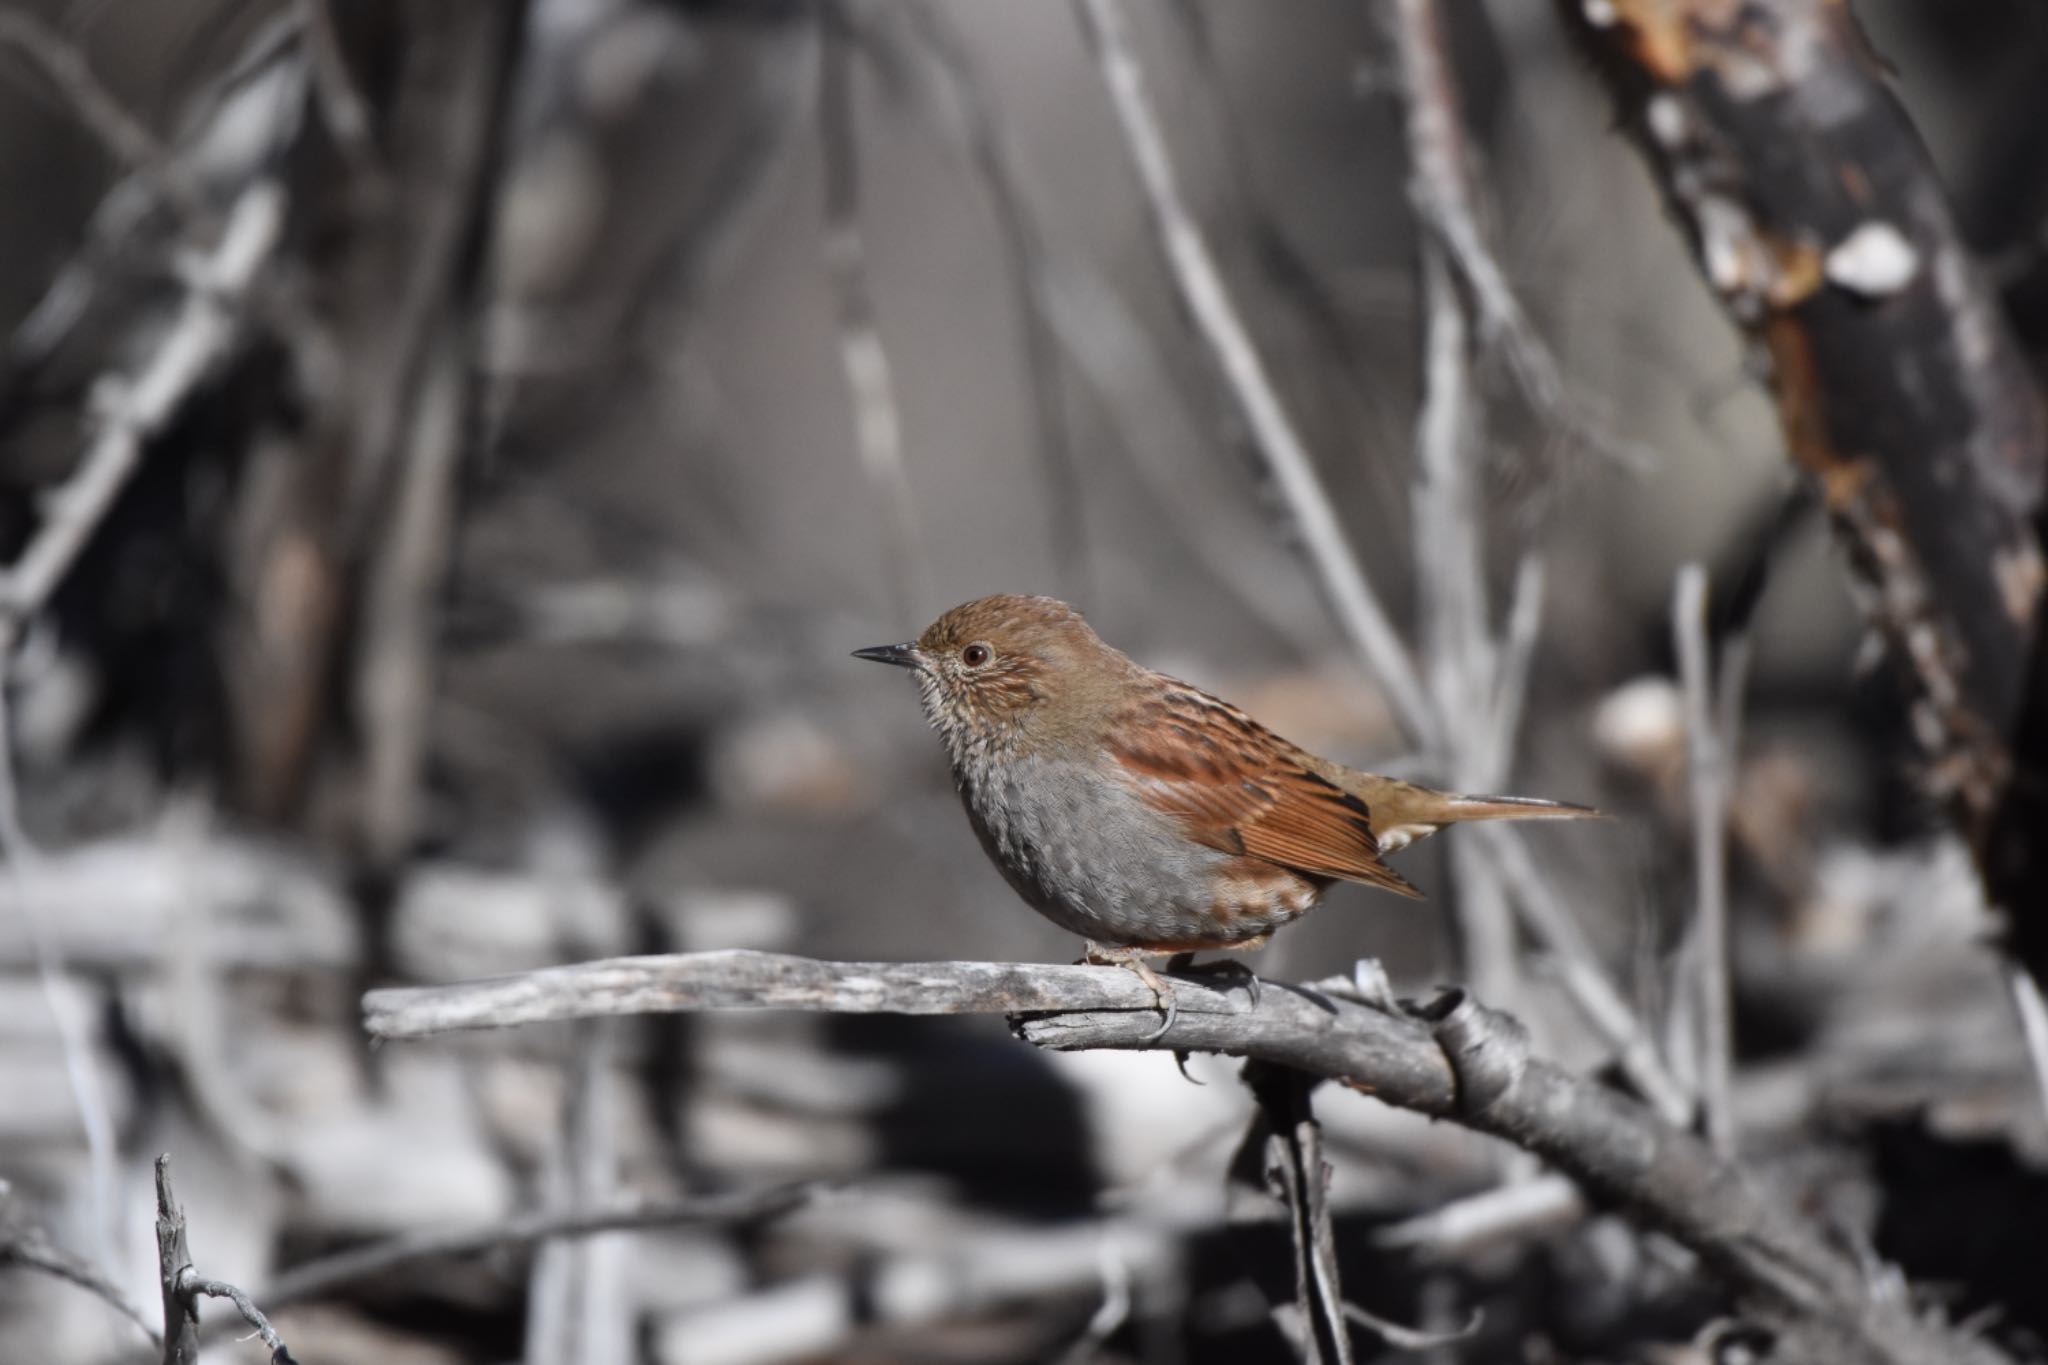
x=1457, y=808
x=1403, y=812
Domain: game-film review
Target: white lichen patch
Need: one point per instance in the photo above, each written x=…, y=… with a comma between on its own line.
x=1875, y=261
x=1664, y=115
x=1726, y=240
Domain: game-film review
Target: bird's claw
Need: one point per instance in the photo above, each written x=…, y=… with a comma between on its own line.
x=1135, y=963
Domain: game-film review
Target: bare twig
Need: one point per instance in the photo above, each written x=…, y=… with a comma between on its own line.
x=2033, y=1016
x=870, y=382
x=183, y=1286
x=341, y=104
x=190, y=1285
x=174, y=1262
x=127, y=139
x=1557, y=931
x=1279, y=444
x=31, y=1249
x=313, y=1279
x=1451, y=570
x=206, y=329
x=1452, y=1060
x=1444, y=191
x=1492, y=1216
x=1709, y=938
x=569, y=1317
x=395, y=683
x=1283, y=1150
x=1517, y=652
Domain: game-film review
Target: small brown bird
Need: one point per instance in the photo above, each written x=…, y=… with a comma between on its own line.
x=1144, y=814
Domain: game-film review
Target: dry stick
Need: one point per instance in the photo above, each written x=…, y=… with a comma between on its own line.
x=1442, y=188
x=566, y=1315
x=31, y=1249
x=1453, y=1060
x=1557, y=932
x=206, y=329
x=1517, y=653
x=127, y=139
x=182, y=1286
x=314, y=1279
x=2033, y=1016
x=396, y=679
x=1451, y=568
x=1201, y=288
x=1709, y=764
x=341, y=104
x=870, y=381
x=1283, y=1151
x=1527, y=1207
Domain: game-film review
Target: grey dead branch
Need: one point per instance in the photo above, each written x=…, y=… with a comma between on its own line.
x=1450, y=1058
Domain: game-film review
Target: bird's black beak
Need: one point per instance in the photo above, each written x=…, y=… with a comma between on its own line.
x=903, y=655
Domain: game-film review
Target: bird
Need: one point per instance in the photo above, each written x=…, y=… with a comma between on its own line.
x=1141, y=813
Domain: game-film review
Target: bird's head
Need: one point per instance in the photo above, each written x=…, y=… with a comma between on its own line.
x=1007, y=673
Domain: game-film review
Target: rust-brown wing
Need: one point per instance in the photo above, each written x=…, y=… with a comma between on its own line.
x=1237, y=787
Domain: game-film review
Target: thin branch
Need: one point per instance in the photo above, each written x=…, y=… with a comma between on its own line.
x=206, y=329
x=315, y=1279
x=1709, y=766
x=1282, y=1153
x=1445, y=194
x=174, y=1262
x=1280, y=445
x=1458, y=654
x=1452, y=1060
x=341, y=104
x=190, y=1285
x=2033, y=1015
x=1504, y=1212
x=183, y=1286
x=31, y=1249
x=870, y=380
x=127, y=139
x=1517, y=653
x=1557, y=932
x=571, y=1313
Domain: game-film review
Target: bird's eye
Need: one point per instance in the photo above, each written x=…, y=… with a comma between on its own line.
x=975, y=655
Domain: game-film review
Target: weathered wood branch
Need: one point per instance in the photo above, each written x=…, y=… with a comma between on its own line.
x=1452, y=1059
x=1816, y=218
x=183, y=1286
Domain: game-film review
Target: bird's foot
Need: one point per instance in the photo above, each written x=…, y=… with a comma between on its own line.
x=1134, y=960
x=1230, y=967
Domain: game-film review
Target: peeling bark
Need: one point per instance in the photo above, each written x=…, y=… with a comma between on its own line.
x=1816, y=218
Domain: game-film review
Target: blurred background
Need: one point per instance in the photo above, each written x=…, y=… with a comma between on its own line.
x=479, y=596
